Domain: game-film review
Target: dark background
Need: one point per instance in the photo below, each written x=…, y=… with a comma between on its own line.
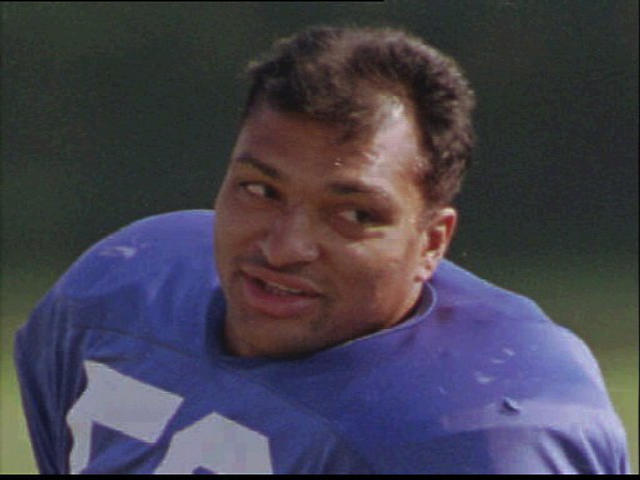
x=116, y=111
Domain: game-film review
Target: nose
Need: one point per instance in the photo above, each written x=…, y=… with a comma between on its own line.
x=290, y=239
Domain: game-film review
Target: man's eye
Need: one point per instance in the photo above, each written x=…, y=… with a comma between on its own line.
x=361, y=217
x=259, y=189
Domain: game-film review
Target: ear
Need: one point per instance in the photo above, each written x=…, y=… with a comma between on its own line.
x=437, y=237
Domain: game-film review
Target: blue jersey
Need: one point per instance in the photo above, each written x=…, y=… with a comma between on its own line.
x=123, y=369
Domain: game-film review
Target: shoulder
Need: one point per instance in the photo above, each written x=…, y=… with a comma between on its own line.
x=486, y=323
x=153, y=279
x=140, y=252
x=460, y=290
x=507, y=373
x=145, y=288
x=491, y=329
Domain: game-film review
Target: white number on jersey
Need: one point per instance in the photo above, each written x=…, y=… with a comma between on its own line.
x=142, y=411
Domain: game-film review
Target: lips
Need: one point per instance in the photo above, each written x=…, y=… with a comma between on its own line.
x=277, y=295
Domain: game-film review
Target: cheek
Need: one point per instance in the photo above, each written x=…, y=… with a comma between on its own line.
x=377, y=266
x=382, y=272
x=372, y=290
x=393, y=253
x=231, y=233
x=235, y=224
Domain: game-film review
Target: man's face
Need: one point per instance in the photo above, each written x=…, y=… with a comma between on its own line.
x=317, y=241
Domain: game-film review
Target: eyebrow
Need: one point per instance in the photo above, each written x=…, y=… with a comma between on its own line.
x=268, y=170
x=355, y=188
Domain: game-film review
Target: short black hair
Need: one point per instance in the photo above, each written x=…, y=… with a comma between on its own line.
x=342, y=75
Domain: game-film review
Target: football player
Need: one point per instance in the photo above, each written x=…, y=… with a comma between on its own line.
x=310, y=323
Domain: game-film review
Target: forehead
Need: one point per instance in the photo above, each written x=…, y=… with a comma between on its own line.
x=296, y=142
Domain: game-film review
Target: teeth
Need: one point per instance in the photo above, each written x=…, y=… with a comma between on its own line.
x=279, y=289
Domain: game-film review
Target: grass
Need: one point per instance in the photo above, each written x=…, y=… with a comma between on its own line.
x=15, y=449
x=597, y=301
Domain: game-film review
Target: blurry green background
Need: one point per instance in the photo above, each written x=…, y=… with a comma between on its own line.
x=115, y=111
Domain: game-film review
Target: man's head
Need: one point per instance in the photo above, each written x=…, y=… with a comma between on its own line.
x=336, y=205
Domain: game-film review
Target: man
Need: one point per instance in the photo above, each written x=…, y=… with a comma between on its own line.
x=327, y=334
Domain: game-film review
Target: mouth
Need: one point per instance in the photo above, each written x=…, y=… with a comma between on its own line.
x=277, y=289
x=277, y=295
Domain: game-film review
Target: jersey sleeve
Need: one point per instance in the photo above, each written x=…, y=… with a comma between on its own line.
x=530, y=394
x=104, y=288
x=40, y=363
x=553, y=415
